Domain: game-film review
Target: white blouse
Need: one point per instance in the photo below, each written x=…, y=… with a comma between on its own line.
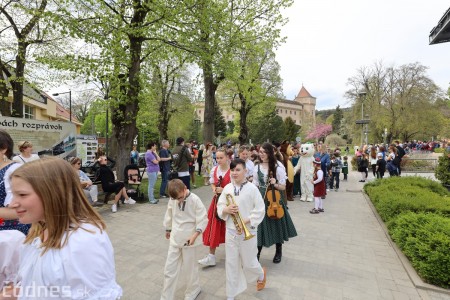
x=7, y=182
x=83, y=269
x=280, y=170
x=10, y=241
x=219, y=173
x=21, y=160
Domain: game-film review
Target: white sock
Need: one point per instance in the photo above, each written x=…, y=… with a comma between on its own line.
x=212, y=255
x=316, y=202
x=320, y=203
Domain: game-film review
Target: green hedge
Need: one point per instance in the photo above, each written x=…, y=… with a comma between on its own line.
x=417, y=213
x=425, y=239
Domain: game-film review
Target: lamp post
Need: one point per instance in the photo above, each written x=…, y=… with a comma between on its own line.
x=143, y=135
x=70, y=103
x=197, y=125
x=385, y=136
x=218, y=139
x=362, y=95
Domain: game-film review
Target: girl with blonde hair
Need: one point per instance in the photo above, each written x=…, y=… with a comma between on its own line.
x=67, y=249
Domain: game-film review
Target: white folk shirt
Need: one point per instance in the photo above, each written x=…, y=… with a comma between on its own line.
x=82, y=269
x=250, y=166
x=280, y=176
x=184, y=219
x=10, y=242
x=250, y=203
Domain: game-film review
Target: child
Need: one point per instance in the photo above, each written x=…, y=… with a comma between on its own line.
x=336, y=166
x=214, y=234
x=240, y=253
x=381, y=166
x=319, y=187
x=67, y=249
x=184, y=221
x=345, y=168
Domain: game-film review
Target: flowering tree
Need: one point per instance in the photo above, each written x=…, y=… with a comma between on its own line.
x=320, y=131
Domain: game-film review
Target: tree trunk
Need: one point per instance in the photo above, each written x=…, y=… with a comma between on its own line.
x=18, y=81
x=210, y=101
x=243, y=112
x=4, y=92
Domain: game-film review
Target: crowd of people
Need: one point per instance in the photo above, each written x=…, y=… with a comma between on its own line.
x=51, y=235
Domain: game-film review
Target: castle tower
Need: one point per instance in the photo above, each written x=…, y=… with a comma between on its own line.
x=309, y=106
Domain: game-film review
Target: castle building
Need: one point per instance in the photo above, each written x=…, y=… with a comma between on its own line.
x=302, y=109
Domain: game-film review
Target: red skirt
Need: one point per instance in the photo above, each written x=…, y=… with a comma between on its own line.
x=214, y=233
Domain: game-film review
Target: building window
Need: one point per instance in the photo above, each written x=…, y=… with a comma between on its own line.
x=295, y=113
x=290, y=112
x=28, y=112
x=286, y=111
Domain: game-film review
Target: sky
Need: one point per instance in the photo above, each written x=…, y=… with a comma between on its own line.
x=329, y=40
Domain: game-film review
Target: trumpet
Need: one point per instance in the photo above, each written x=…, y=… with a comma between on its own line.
x=237, y=220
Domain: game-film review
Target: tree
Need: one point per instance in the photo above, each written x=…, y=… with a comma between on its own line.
x=320, y=132
x=21, y=22
x=253, y=81
x=337, y=120
x=230, y=127
x=291, y=129
x=266, y=127
x=220, y=126
x=394, y=98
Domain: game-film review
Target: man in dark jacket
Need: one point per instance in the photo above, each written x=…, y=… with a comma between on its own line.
x=400, y=152
x=181, y=157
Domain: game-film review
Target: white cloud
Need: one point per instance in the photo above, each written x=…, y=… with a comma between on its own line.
x=328, y=40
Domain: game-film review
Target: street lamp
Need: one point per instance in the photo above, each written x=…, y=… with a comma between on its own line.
x=197, y=125
x=70, y=103
x=218, y=139
x=385, y=136
x=362, y=95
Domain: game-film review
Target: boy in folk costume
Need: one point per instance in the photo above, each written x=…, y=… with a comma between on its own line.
x=241, y=197
x=184, y=221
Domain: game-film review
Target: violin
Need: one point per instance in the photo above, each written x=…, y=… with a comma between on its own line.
x=219, y=184
x=273, y=196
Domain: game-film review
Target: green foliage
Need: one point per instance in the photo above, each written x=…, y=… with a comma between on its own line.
x=334, y=140
x=265, y=127
x=220, y=126
x=425, y=239
x=416, y=211
x=337, y=120
x=439, y=150
x=291, y=129
x=442, y=171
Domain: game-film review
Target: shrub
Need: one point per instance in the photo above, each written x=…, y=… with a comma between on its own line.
x=439, y=150
x=425, y=239
x=442, y=171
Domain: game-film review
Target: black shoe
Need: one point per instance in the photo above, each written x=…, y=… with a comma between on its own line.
x=321, y=210
x=277, y=257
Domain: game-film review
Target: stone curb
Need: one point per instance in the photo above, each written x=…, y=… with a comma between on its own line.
x=415, y=278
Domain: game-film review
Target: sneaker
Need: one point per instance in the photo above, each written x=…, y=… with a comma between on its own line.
x=208, y=260
x=153, y=202
x=328, y=190
x=162, y=196
x=129, y=201
x=114, y=208
x=261, y=284
x=314, y=211
x=321, y=210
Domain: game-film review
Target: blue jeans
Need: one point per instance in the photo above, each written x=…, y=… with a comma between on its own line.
x=152, y=176
x=165, y=180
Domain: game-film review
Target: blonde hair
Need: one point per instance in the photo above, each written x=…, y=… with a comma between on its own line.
x=24, y=145
x=65, y=205
x=175, y=187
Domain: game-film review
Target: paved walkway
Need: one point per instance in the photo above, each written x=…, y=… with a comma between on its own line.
x=340, y=254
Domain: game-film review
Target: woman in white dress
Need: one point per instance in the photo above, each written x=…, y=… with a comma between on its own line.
x=67, y=253
x=26, y=153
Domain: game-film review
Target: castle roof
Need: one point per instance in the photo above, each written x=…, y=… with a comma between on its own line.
x=304, y=93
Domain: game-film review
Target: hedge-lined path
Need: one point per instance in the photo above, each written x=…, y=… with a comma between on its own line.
x=340, y=254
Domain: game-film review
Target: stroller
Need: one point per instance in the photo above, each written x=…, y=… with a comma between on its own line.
x=132, y=181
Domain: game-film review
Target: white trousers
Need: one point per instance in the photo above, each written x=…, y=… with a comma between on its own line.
x=241, y=264
x=180, y=260
x=91, y=193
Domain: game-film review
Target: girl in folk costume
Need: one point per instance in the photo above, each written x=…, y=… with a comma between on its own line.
x=272, y=231
x=319, y=187
x=214, y=234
